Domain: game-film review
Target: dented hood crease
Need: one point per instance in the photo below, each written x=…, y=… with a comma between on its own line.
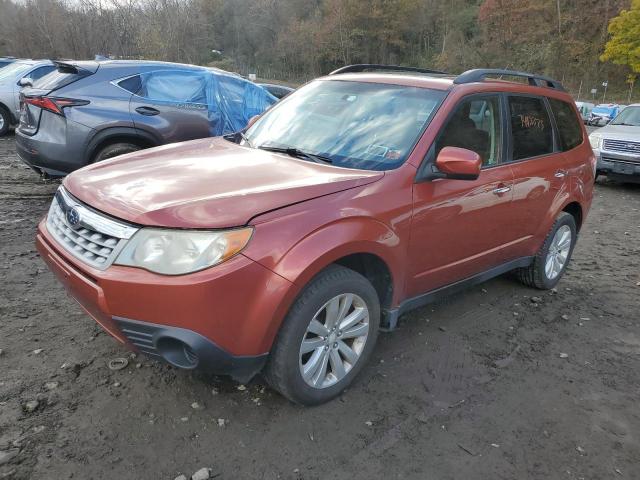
x=208, y=183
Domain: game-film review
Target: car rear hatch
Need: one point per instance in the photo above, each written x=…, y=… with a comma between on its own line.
x=41, y=96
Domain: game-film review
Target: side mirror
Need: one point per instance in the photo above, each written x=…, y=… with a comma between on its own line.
x=252, y=120
x=25, y=82
x=459, y=163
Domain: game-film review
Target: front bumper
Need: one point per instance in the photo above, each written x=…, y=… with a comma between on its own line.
x=221, y=319
x=616, y=164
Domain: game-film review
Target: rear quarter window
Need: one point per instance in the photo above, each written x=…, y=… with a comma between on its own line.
x=568, y=125
x=131, y=84
x=531, y=131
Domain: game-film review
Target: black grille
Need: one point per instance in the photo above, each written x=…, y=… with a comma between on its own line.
x=623, y=146
x=140, y=335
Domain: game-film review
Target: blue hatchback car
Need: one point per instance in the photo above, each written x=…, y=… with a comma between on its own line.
x=84, y=112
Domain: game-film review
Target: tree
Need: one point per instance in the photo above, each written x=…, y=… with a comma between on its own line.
x=623, y=48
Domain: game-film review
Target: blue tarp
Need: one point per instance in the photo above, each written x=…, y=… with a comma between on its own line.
x=230, y=100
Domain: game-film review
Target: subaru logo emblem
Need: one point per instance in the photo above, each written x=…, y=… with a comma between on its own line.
x=73, y=217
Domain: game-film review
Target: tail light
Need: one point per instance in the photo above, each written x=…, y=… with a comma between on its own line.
x=54, y=104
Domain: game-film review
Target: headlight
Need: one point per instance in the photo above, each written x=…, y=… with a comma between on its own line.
x=176, y=252
x=595, y=141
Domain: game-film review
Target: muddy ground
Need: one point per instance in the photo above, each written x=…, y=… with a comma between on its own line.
x=485, y=385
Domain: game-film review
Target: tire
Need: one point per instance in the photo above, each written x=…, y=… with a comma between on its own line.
x=5, y=121
x=114, y=150
x=537, y=274
x=286, y=362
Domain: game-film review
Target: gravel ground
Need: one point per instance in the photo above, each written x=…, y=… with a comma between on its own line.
x=500, y=382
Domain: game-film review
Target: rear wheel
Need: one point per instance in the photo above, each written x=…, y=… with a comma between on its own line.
x=552, y=259
x=326, y=338
x=114, y=150
x=5, y=121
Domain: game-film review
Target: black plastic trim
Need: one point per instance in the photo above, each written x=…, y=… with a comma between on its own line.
x=118, y=132
x=159, y=342
x=392, y=315
x=361, y=67
x=479, y=74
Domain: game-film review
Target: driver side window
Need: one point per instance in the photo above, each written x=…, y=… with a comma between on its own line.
x=475, y=125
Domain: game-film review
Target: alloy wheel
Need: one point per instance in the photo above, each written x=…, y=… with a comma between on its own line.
x=558, y=252
x=334, y=340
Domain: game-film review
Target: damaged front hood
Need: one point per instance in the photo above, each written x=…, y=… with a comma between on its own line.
x=208, y=183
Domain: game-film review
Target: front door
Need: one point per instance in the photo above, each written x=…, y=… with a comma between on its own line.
x=461, y=227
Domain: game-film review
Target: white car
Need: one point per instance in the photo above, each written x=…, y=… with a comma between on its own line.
x=12, y=78
x=617, y=146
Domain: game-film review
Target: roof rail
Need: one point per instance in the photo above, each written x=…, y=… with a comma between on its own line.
x=479, y=74
x=361, y=67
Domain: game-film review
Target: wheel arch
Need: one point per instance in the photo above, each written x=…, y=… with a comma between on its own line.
x=113, y=135
x=376, y=255
x=575, y=210
x=12, y=117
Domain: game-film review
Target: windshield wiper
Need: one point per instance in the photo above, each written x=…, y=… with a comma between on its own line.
x=296, y=152
x=627, y=124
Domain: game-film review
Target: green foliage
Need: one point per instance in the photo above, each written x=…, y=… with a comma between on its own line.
x=623, y=48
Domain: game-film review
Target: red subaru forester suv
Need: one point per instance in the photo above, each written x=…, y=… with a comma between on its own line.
x=284, y=249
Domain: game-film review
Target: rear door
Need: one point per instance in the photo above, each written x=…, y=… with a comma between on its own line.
x=172, y=104
x=540, y=169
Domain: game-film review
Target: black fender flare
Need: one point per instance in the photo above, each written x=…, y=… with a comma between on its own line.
x=121, y=133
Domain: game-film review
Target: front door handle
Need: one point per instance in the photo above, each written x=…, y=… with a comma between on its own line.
x=560, y=174
x=148, y=111
x=502, y=190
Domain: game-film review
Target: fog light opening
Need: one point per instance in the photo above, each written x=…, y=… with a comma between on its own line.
x=177, y=353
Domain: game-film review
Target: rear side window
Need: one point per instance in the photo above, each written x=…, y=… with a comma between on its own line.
x=38, y=73
x=175, y=86
x=531, y=132
x=567, y=122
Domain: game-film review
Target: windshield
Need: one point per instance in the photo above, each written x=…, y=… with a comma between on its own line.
x=11, y=71
x=361, y=125
x=629, y=116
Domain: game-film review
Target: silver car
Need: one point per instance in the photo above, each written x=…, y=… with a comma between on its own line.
x=617, y=146
x=12, y=78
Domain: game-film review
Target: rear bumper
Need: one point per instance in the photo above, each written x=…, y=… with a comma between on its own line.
x=221, y=320
x=57, y=148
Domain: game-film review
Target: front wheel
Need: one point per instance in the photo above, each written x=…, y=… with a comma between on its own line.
x=554, y=255
x=327, y=337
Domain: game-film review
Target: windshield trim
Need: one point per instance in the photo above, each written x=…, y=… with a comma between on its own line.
x=412, y=147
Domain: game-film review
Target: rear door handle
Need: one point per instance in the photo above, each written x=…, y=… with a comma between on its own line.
x=148, y=111
x=561, y=174
x=501, y=190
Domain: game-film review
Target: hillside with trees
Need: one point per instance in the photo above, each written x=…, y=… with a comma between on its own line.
x=296, y=40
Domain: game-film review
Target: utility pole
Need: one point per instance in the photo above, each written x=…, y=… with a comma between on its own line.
x=580, y=90
x=630, y=80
